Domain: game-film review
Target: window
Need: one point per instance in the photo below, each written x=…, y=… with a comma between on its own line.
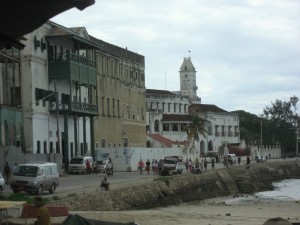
x=125, y=142
x=102, y=106
x=108, y=106
x=156, y=126
x=175, y=107
x=174, y=127
x=128, y=112
x=165, y=127
x=38, y=145
x=103, y=143
x=169, y=107
x=47, y=170
x=118, y=107
x=142, y=113
x=45, y=146
x=51, y=147
x=113, y=107
x=133, y=112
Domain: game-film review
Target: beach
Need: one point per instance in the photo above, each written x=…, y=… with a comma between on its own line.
x=216, y=211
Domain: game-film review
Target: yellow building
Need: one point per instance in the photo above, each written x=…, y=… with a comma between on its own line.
x=121, y=97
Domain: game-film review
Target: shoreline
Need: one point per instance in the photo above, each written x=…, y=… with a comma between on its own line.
x=215, y=211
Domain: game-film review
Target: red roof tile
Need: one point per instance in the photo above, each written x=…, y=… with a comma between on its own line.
x=165, y=141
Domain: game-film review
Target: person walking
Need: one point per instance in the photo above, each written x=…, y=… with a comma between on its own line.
x=160, y=166
x=212, y=164
x=190, y=163
x=141, y=166
x=7, y=172
x=88, y=167
x=239, y=160
x=205, y=165
x=148, y=166
x=94, y=167
x=248, y=162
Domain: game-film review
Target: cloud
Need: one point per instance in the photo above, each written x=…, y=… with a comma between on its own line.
x=246, y=52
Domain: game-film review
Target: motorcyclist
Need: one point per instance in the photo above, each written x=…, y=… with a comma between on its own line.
x=109, y=167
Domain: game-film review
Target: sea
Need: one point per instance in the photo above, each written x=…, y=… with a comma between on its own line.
x=287, y=190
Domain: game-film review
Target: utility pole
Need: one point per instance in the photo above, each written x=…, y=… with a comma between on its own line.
x=261, y=138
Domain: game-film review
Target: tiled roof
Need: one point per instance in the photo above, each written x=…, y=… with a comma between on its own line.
x=205, y=108
x=176, y=117
x=165, y=141
x=158, y=92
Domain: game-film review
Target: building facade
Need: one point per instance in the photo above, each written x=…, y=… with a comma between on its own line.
x=169, y=113
x=121, y=97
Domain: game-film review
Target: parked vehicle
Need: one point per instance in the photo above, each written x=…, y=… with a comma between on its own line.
x=78, y=164
x=232, y=157
x=2, y=182
x=101, y=165
x=35, y=177
x=173, y=165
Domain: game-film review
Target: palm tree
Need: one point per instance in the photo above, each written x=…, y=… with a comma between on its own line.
x=196, y=128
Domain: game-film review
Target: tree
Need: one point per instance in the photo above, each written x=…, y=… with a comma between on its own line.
x=284, y=122
x=195, y=128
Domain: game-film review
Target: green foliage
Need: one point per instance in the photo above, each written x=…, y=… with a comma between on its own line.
x=279, y=123
x=195, y=129
x=21, y=197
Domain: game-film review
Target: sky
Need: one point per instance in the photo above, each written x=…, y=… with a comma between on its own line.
x=246, y=52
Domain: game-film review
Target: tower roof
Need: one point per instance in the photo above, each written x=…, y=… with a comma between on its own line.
x=187, y=65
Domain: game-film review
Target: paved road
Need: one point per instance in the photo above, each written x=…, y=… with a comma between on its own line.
x=81, y=184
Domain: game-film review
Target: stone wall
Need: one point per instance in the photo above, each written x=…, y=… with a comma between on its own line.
x=187, y=187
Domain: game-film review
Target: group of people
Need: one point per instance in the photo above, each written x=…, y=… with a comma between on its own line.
x=156, y=166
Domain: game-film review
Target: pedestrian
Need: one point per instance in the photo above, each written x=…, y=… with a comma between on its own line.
x=248, y=162
x=88, y=167
x=15, y=166
x=190, y=163
x=205, y=165
x=94, y=167
x=7, y=172
x=105, y=184
x=239, y=160
x=43, y=217
x=201, y=165
x=153, y=166
x=148, y=166
x=141, y=166
x=160, y=166
x=187, y=165
x=212, y=164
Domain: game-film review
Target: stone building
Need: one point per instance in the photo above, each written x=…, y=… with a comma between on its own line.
x=67, y=92
x=121, y=97
x=169, y=113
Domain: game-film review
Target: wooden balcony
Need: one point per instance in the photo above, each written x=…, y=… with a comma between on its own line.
x=75, y=108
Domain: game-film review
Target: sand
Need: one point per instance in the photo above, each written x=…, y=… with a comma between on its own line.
x=217, y=211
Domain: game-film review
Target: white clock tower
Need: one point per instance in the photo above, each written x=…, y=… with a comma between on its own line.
x=188, y=86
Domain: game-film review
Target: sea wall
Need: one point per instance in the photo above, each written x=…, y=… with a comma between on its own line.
x=187, y=187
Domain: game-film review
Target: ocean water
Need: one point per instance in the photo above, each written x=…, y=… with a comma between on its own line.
x=287, y=190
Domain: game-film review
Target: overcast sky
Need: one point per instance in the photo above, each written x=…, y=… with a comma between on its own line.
x=246, y=52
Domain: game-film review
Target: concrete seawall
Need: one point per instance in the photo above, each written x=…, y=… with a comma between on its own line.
x=187, y=187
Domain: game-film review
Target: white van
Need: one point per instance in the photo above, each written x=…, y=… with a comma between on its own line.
x=232, y=157
x=78, y=164
x=35, y=177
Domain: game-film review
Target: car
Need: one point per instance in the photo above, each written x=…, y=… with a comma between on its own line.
x=262, y=159
x=101, y=165
x=35, y=177
x=78, y=164
x=1, y=183
x=232, y=157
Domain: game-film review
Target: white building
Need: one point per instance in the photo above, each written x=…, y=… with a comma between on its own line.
x=58, y=82
x=168, y=113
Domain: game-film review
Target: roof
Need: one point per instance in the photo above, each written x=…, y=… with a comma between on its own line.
x=187, y=65
x=176, y=117
x=165, y=141
x=158, y=92
x=205, y=108
x=19, y=17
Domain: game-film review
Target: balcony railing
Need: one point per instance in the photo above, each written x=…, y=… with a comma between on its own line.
x=75, y=107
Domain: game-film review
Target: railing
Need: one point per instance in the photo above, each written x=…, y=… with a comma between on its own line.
x=73, y=58
x=75, y=106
